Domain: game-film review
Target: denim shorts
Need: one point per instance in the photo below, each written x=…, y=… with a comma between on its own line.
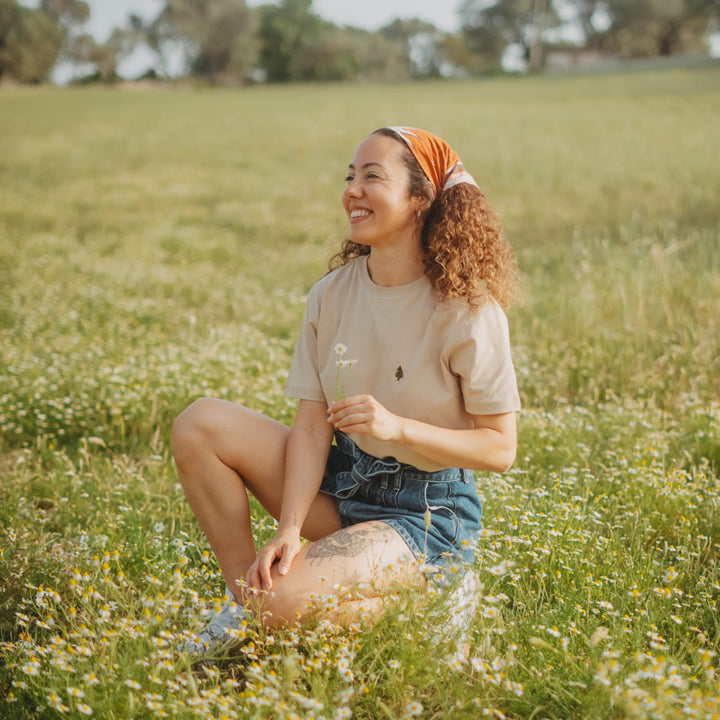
x=366, y=488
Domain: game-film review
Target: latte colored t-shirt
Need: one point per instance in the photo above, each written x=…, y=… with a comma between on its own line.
x=430, y=360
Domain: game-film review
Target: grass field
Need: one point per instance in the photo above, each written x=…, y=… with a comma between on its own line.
x=156, y=246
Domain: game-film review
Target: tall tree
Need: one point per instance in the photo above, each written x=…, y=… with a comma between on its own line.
x=326, y=55
x=643, y=28
x=107, y=56
x=285, y=31
x=419, y=43
x=29, y=43
x=217, y=36
x=377, y=58
x=68, y=13
x=70, y=16
x=489, y=27
x=296, y=44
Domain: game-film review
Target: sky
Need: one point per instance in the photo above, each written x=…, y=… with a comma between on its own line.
x=374, y=14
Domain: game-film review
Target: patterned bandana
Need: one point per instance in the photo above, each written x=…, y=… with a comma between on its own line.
x=438, y=160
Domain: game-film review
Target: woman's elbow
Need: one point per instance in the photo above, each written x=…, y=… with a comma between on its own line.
x=497, y=442
x=500, y=460
x=509, y=450
x=506, y=459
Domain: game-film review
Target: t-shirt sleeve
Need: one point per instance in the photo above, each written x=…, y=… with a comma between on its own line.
x=479, y=355
x=303, y=380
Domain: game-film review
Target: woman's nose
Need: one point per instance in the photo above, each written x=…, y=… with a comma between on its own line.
x=353, y=189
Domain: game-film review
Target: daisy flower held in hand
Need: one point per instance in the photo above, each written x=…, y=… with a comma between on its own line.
x=340, y=350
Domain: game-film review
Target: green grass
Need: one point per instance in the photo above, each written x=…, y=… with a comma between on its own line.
x=157, y=246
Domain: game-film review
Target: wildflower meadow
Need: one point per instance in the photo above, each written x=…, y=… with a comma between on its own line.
x=156, y=246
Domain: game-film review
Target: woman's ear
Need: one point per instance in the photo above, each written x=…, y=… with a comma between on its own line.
x=425, y=200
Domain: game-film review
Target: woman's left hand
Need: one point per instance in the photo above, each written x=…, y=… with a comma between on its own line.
x=365, y=415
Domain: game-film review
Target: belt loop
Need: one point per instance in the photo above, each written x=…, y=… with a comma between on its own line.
x=399, y=478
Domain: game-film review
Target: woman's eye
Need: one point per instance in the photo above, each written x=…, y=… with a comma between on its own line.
x=348, y=178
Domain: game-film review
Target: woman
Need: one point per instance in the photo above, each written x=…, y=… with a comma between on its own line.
x=427, y=387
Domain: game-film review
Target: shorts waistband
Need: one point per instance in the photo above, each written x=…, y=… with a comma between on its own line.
x=367, y=468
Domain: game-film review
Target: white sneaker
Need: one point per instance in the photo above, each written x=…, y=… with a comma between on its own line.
x=221, y=633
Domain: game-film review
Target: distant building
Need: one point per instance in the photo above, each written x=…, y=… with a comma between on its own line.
x=561, y=60
x=579, y=59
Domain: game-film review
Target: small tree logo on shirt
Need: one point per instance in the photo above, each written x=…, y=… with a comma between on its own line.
x=399, y=374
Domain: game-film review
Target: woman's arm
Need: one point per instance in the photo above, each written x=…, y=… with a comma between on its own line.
x=490, y=445
x=305, y=459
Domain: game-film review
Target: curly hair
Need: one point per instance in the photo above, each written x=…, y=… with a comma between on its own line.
x=464, y=250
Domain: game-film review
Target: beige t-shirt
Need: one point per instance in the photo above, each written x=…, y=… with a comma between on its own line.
x=421, y=358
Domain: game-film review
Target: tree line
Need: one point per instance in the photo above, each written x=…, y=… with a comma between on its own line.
x=227, y=41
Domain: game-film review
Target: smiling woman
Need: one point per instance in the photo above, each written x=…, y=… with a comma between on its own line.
x=377, y=205
x=415, y=296
x=463, y=248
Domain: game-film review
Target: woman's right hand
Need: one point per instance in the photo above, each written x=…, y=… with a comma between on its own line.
x=282, y=548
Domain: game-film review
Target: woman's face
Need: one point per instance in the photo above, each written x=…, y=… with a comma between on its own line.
x=376, y=198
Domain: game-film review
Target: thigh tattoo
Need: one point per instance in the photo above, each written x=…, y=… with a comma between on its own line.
x=346, y=543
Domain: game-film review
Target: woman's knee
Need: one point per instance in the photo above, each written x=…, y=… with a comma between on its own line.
x=283, y=606
x=192, y=427
x=306, y=592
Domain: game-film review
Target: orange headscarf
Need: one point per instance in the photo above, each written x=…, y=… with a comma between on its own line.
x=440, y=163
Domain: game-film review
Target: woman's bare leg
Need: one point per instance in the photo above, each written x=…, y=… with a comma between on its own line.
x=221, y=451
x=365, y=560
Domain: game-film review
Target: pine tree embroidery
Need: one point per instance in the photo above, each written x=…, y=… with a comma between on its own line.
x=399, y=374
